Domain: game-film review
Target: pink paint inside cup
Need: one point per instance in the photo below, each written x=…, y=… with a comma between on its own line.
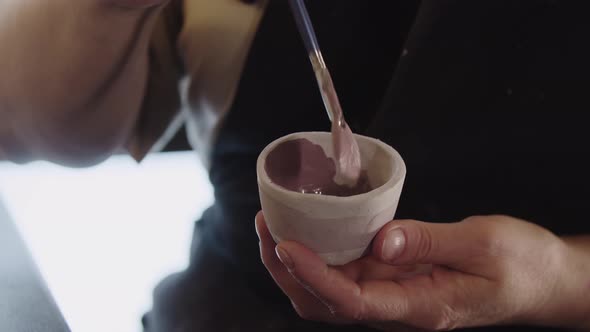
x=302, y=166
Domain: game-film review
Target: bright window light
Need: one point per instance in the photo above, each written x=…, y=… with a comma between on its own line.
x=103, y=237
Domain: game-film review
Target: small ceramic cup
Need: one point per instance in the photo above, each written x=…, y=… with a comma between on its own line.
x=338, y=229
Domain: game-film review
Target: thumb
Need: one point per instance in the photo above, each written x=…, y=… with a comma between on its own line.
x=413, y=242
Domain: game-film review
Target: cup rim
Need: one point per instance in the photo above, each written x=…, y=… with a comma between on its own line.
x=396, y=178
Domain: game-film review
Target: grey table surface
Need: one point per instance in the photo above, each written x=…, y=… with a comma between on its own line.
x=26, y=305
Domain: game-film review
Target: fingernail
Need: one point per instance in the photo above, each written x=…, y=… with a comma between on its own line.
x=393, y=245
x=283, y=255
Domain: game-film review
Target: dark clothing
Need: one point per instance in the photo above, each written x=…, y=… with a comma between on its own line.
x=485, y=100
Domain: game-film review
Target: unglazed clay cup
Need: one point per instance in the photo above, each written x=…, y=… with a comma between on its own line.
x=338, y=229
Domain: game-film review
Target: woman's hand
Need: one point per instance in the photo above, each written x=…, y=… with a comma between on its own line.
x=483, y=271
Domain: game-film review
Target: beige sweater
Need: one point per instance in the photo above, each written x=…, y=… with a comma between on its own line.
x=196, y=50
x=213, y=45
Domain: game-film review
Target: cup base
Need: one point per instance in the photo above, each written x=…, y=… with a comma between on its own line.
x=342, y=257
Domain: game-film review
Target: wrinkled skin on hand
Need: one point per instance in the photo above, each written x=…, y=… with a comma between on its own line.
x=420, y=276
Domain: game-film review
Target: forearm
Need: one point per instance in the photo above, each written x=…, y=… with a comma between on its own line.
x=571, y=306
x=579, y=247
x=73, y=77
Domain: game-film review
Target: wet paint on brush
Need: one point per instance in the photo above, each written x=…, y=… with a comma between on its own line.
x=346, y=150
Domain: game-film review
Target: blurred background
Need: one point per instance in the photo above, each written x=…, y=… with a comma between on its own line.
x=103, y=237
